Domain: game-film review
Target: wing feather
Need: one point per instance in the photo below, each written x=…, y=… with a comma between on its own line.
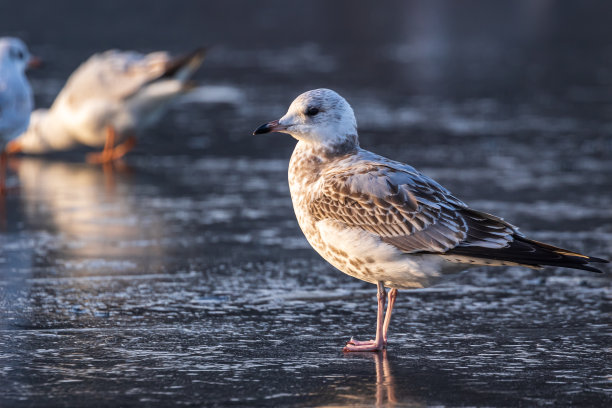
x=404, y=208
x=415, y=214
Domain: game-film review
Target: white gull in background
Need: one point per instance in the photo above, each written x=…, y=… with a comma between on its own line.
x=109, y=99
x=16, y=100
x=384, y=222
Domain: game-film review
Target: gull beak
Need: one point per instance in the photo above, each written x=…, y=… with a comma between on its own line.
x=13, y=147
x=34, y=62
x=269, y=127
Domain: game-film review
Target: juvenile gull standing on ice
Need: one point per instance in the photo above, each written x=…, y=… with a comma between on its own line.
x=384, y=222
x=106, y=101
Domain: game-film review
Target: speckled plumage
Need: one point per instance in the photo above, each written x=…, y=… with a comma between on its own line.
x=384, y=222
x=381, y=220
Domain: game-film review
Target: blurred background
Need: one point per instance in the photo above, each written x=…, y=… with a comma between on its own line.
x=180, y=274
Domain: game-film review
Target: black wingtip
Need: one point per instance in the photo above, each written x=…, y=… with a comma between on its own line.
x=587, y=268
x=598, y=260
x=528, y=252
x=565, y=264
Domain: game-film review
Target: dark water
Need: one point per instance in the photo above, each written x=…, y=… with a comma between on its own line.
x=180, y=276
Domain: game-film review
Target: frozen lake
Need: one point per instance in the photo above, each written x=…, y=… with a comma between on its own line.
x=180, y=276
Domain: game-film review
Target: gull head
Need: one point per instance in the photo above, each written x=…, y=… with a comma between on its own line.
x=14, y=52
x=320, y=117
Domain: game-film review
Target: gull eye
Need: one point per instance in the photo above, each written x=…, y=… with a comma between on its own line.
x=16, y=54
x=312, y=111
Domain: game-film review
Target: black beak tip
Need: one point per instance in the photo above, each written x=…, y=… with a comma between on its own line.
x=265, y=128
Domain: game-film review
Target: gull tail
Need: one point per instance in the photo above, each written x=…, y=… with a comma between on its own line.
x=532, y=254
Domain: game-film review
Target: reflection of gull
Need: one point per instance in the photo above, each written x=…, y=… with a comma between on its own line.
x=15, y=93
x=106, y=101
x=92, y=209
x=384, y=222
x=385, y=383
x=361, y=391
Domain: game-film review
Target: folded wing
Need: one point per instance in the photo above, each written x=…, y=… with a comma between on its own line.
x=415, y=214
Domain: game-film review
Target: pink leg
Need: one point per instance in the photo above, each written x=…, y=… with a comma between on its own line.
x=378, y=343
x=111, y=151
x=392, y=296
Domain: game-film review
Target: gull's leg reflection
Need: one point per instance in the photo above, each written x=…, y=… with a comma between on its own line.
x=4, y=190
x=383, y=394
x=385, y=383
x=3, y=164
x=111, y=170
x=4, y=158
x=109, y=177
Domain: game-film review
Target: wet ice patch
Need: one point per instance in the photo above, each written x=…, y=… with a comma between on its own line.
x=97, y=264
x=468, y=118
x=307, y=57
x=214, y=94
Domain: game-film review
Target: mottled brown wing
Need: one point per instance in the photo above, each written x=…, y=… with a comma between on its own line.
x=404, y=208
x=415, y=214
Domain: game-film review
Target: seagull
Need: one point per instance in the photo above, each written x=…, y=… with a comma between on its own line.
x=383, y=221
x=16, y=100
x=107, y=101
